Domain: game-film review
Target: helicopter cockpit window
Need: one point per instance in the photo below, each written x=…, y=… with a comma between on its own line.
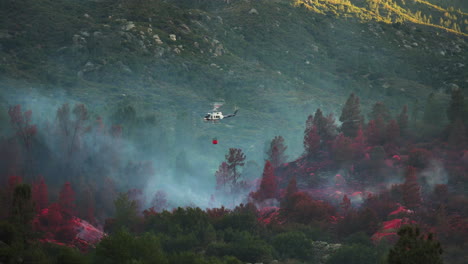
x=207, y=116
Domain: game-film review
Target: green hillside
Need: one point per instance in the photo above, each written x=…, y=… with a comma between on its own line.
x=276, y=60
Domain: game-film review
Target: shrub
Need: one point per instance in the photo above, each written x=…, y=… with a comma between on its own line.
x=354, y=254
x=293, y=245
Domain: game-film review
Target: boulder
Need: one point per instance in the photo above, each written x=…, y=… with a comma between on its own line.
x=253, y=11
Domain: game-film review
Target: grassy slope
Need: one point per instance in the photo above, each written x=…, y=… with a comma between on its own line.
x=278, y=64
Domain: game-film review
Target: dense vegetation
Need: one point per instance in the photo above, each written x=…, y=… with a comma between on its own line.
x=378, y=176
x=298, y=212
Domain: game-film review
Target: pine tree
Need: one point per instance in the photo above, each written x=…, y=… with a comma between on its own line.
x=380, y=110
x=374, y=132
x=276, y=152
x=351, y=116
x=234, y=159
x=222, y=176
x=342, y=149
x=359, y=145
x=414, y=247
x=326, y=127
x=268, y=187
x=312, y=142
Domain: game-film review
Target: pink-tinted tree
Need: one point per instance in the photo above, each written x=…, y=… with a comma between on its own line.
x=67, y=200
x=268, y=186
x=342, y=149
x=359, y=145
x=301, y=208
x=40, y=195
x=375, y=132
x=345, y=204
x=311, y=142
x=292, y=187
x=276, y=152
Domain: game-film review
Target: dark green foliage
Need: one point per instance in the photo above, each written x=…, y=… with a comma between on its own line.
x=242, y=245
x=276, y=152
x=22, y=209
x=124, y=248
x=415, y=247
x=358, y=238
x=7, y=232
x=364, y=220
x=419, y=158
x=65, y=255
x=457, y=135
x=354, y=254
x=293, y=244
x=351, y=116
x=326, y=126
x=183, y=229
x=242, y=218
x=126, y=213
x=379, y=110
x=433, y=111
x=456, y=109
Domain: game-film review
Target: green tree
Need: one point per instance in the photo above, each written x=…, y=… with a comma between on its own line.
x=293, y=244
x=22, y=210
x=415, y=248
x=126, y=212
x=380, y=110
x=276, y=153
x=354, y=254
x=351, y=116
x=124, y=248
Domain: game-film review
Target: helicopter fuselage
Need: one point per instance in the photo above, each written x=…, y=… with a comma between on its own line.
x=213, y=116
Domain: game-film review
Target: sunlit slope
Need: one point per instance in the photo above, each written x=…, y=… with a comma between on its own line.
x=393, y=11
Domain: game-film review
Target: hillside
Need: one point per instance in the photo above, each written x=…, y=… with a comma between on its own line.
x=263, y=56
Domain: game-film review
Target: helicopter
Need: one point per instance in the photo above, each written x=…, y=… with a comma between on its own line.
x=216, y=115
